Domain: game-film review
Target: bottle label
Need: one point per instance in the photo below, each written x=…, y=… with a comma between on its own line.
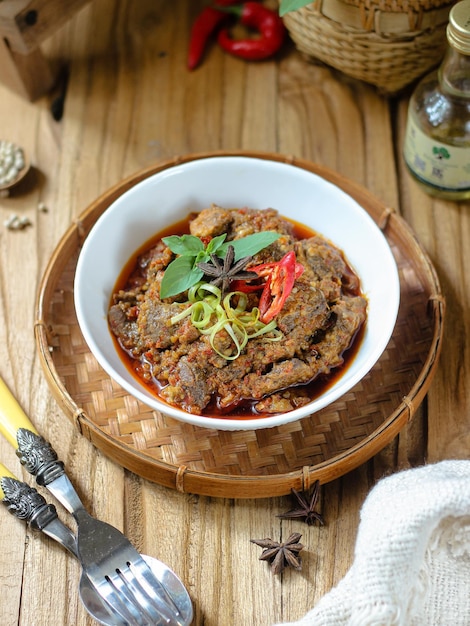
x=441, y=165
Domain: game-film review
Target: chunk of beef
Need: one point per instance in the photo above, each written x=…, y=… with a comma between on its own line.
x=283, y=402
x=154, y=323
x=123, y=326
x=319, y=321
x=211, y=222
x=188, y=386
x=281, y=376
x=350, y=315
x=304, y=313
x=158, y=257
x=237, y=223
x=325, y=264
x=248, y=221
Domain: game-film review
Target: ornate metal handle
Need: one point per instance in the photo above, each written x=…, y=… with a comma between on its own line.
x=34, y=452
x=38, y=457
x=25, y=503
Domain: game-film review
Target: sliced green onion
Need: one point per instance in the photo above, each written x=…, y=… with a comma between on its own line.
x=211, y=315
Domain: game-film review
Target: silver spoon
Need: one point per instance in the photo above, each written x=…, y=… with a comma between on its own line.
x=101, y=612
x=27, y=504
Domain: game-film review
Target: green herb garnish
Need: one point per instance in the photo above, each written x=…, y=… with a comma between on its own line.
x=183, y=272
x=285, y=6
x=211, y=313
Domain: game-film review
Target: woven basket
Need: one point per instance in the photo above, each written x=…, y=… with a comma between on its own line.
x=244, y=464
x=387, y=43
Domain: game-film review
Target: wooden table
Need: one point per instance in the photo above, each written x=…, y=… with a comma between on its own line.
x=131, y=102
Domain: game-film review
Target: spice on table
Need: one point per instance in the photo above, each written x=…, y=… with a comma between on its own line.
x=281, y=555
x=306, y=507
x=17, y=222
x=265, y=21
x=204, y=26
x=12, y=162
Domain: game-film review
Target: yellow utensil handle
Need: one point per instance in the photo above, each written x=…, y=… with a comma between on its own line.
x=12, y=416
x=4, y=473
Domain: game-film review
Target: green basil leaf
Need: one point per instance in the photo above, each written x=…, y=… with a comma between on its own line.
x=201, y=257
x=291, y=5
x=249, y=245
x=215, y=243
x=184, y=245
x=179, y=276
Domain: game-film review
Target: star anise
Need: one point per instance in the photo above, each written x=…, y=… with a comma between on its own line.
x=223, y=271
x=306, y=508
x=281, y=555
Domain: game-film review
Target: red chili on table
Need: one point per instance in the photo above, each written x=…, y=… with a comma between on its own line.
x=204, y=26
x=266, y=21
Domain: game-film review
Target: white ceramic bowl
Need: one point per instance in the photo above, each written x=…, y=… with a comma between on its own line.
x=234, y=181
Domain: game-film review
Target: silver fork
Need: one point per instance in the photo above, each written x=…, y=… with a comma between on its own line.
x=110, y=561
x=113, y=565
x=25, y=503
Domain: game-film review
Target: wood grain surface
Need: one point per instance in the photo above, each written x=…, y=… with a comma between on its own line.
x=131, y=102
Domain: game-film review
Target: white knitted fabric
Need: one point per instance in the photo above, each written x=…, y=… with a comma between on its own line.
x=412, y=557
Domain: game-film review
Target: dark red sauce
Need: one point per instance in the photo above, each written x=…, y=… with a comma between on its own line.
x=245, y=409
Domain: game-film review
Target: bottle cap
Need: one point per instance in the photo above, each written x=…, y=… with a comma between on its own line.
x=458, y=29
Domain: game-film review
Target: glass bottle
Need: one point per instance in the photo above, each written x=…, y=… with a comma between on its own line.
x=437, y=139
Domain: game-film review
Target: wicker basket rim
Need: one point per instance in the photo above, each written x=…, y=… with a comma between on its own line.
x=182, y=476
x=389, y=6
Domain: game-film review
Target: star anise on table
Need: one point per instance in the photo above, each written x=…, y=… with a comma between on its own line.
x=223, y=271
x=306, y=507
x=281, y=555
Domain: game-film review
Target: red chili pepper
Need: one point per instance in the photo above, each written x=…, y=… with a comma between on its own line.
x=266, y=268
x=205, y=25
x=266, y=21
x=280, y=278
x=278, y=287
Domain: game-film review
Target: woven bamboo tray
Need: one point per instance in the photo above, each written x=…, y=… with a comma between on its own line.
x=244, y=464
